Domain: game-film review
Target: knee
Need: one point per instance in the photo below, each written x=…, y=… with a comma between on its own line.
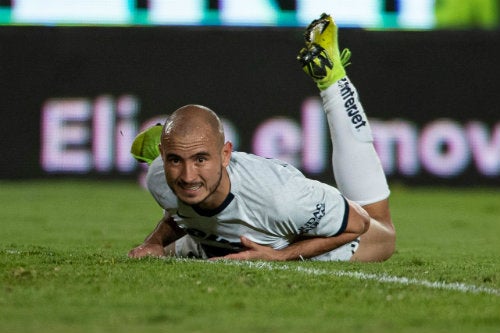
x=378, y=244
x=389, y=243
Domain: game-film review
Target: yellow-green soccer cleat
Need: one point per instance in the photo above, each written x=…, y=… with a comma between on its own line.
x=145, y=146
x=320, y=58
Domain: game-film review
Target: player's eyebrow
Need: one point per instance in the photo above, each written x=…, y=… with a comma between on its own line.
x=170, y=155
x=201, y=154
x=193, y=156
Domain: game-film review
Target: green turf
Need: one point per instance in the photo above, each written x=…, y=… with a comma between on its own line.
x=63, y=269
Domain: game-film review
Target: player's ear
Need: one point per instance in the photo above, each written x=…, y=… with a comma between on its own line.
x=226, y=153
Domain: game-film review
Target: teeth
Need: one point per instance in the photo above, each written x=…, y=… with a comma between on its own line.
x=192, y=188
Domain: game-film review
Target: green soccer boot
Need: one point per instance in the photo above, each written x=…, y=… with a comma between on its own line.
x=320, y=58
x=145, y=146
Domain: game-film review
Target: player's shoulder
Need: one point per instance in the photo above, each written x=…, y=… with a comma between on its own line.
x=157, y=185
x=253, y=163
x=262, y=171
x=155, y=171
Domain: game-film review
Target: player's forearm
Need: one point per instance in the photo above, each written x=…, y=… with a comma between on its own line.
x=312, y=247
x=358, y=223
x=165, y=232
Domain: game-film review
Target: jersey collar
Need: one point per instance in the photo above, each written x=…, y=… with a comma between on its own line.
x=215, y=211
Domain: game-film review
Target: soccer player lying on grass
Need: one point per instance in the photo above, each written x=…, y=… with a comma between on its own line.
x=232, y=205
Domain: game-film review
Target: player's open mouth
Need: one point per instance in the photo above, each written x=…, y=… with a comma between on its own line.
x=190, y=187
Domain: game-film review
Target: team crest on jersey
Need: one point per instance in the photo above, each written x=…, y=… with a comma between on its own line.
x=313, y=222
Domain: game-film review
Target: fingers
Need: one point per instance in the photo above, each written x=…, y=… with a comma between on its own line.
x=248, y=243
x=252, y=251
x=135, y=253
x=243, y=255
x=147, y=250
x=248, y=254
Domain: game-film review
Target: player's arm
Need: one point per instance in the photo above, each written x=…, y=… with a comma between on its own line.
x=357, y=224
x=166, y=232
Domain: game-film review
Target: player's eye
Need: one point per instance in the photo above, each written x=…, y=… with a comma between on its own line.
x=174, y=160
x=201, y=158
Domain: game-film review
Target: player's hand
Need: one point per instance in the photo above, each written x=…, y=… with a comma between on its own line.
x=253, y=251
x=145, y=250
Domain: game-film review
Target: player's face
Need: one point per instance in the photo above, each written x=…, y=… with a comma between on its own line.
x=195, y=169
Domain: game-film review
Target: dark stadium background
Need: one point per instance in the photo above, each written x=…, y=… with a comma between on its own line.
x=249, y=76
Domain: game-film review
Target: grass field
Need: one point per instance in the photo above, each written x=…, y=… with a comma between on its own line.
x=64, y=268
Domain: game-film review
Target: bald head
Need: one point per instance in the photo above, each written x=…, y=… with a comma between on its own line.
x=195, y=156
x=195, y=121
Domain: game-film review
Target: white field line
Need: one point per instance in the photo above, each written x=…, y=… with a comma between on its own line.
x=455, y=286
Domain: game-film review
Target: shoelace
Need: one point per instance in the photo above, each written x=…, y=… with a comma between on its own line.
x=345, y=56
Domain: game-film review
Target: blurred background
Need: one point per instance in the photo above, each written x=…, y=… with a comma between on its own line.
x=80, y=78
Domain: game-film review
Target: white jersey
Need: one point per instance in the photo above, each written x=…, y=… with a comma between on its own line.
x=271, y=203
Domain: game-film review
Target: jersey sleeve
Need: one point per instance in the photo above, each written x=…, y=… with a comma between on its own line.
x=318, y=209
x=285, y=202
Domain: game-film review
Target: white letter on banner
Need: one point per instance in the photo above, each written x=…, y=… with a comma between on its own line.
x=62, y=133
x=103, y=127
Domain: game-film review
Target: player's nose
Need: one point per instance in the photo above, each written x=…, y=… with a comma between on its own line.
x=188, y=173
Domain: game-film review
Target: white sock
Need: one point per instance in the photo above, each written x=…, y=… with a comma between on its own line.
x=356, y=166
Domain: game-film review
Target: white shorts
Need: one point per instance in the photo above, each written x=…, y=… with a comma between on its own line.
x=342, y=253
x=187, y=247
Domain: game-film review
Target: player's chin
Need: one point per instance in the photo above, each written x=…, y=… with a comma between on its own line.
x=191, y=197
